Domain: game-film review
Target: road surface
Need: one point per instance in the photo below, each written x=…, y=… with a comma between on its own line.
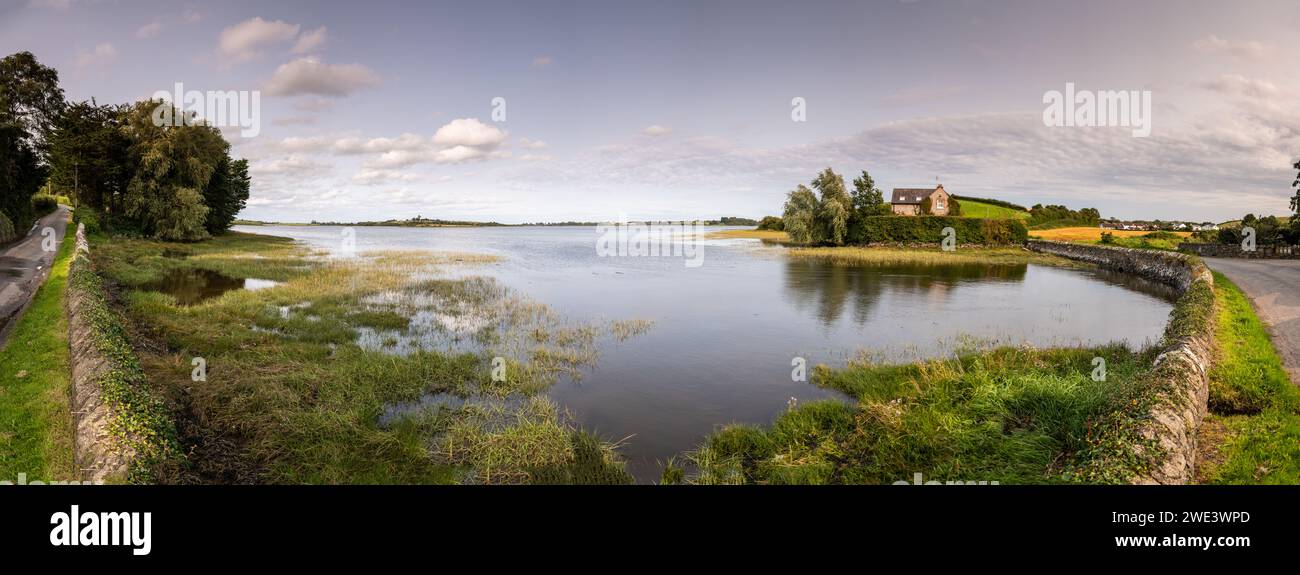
x=25, y=265
x=1274, y=286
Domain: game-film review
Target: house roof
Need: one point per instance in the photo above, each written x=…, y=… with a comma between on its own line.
x=910, y=196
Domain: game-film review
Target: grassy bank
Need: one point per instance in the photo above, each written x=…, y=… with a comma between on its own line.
x=768, y=235
x=35, y=420
x=1252, y=434
x=977, y=209
x=1010, y=415
x=853, y=255
x=342, y=372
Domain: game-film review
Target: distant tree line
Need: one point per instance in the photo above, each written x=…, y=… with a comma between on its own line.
x=1061, y=216
x=125, y=172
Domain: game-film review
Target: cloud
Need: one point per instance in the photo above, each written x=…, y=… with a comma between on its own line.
x=468, y=132
x=656, y=130
x=247, y=39
x=379, y=176
x=310, y=41
x=310, y=76
x=102, y=55
x=528, y=144
x=1238, y=85
x=918, y=95
x=149, y=30
x=294, y=164
x=541, y=62
x=1245, y=49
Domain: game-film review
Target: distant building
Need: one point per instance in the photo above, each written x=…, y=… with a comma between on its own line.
x=907, y=201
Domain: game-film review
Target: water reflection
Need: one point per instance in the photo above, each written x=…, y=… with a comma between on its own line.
x=825, y=290
x=193, y=285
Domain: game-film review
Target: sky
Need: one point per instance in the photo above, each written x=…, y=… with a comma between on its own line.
x=556, y=110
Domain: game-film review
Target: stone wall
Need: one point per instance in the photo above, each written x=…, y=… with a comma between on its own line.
x=99, y=454
x=1179, y=382
x=1235, y=251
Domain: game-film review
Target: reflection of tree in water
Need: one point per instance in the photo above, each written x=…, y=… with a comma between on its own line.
x=828, y=288
x=192, y=285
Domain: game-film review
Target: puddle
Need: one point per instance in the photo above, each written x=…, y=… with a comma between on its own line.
x=192, y=285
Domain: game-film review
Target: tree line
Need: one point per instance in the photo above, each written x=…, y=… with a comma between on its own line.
x=124, y=171
x=827, y=212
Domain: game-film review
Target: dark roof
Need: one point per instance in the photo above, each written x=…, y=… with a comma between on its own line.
x=912, y=196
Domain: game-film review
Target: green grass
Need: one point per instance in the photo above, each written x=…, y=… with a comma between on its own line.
x=292, y=396
x=35, y=420
x=888, y=256
x=974, y=209
x=1255, y=409
x=1010, y=415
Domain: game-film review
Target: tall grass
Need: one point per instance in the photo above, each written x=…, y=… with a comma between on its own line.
x=1011, y=415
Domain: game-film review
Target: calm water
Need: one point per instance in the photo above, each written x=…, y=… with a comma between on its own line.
x=725, y=333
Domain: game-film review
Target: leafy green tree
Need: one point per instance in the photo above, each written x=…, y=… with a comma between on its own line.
x=800, y=216
x=772, y=223
x=1295, y=208
x=868, y=200
x=226, y=194
x=834, y=206
x=30, y=99
x=927, y=206
x=89, y=155
x=954, y=207
x=173, y=165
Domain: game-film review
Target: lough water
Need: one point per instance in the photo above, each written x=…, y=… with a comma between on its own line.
x=725, y=333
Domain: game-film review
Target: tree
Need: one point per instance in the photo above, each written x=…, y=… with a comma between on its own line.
x=30, y=96
x=772, y=223
x=867, y=198
x=834, y=206
x=800, y=216
x=954, y=207
x=226, y=194
x=30, y=99
x=173, y=165
x=89, y=155
x=927, y=206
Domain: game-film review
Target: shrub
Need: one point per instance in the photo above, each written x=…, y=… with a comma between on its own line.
x=43, y=204
x=6, y=229
x=929, y=229
x=772, y=223
x=85, y=215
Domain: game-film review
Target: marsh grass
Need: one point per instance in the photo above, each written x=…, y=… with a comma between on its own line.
x=1011, y=415
x=291, y=397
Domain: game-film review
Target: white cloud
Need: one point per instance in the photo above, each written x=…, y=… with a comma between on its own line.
x=1244, y=49
x=310, y=41
x=101, y=55
x=528, y=144
x=310, y=76
x=468, y=132
x=149, y=30
x=656, y=130
x=1238, y=85
x=541, y=62
x=247, y=39
x=294, y=164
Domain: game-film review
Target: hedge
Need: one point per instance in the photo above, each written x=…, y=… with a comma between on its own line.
x=7, y=232
x=929, y=230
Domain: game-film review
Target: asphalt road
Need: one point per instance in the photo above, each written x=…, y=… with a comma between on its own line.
x=1274, y=286
x=25, y=265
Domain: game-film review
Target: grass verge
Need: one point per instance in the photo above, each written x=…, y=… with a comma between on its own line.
x=35, y=420
x=1252, y=434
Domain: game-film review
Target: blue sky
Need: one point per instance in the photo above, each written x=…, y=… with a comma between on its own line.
x=682, y=109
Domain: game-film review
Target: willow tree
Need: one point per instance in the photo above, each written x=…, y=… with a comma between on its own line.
x=173, y=166
x=834, y=206
x=800, y=216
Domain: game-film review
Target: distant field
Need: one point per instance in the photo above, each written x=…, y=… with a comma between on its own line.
x=757, y=234
x=974, y=209
x=1088, y=234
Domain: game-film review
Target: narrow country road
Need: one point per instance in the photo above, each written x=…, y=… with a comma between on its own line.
x=25, y=265
x=1274, y=286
